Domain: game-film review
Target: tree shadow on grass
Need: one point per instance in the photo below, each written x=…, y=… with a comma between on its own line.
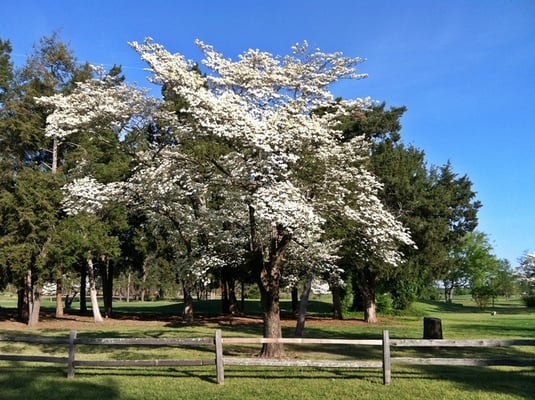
x=517, y=382
x=500, y=307
x=18, y=382
x=301, y=374
x=204, y=373
x=500, y=329
x=374, y=353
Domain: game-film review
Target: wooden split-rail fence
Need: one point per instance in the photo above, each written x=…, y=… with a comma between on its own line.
x=220, y=361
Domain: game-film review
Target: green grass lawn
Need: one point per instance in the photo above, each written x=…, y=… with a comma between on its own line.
x=460, y=320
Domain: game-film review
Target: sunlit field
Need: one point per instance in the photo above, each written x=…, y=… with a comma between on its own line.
x=460, y=320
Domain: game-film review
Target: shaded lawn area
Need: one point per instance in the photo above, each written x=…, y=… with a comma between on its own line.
x=20, y=381
x=48, y=383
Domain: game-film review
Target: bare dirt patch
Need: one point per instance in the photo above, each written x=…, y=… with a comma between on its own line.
x=86, y=322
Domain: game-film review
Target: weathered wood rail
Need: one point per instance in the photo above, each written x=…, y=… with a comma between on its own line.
x=219, y=361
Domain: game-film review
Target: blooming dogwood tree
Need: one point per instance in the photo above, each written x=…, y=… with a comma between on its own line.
x=527, y=269
x=255, y=153
x=285, y=167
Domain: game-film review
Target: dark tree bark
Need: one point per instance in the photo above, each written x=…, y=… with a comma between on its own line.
x=337, y=302
x=272, y=326
x=23, y=308
x=229, y=302
x=233, y=301
x=106, y=272
x=83, y=288
x=295, y=301
x=225, y=309
x=267, y=270
x=367, y=282
x=269, y=284
x=187, y=314
x=358, y=300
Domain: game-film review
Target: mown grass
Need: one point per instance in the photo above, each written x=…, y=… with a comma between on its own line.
x=44, y=383
x=461, y=320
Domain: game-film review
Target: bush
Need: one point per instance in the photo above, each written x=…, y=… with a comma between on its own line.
x=384, y=304
x=482, y=295
x=529, y=301
x=252, y=292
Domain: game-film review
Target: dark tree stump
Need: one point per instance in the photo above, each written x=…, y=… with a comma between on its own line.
x=432, y=328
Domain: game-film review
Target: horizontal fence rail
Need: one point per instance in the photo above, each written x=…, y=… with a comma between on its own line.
x=219, y=361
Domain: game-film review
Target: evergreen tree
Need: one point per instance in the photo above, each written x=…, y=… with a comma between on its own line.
x=27, y=160
x=436, y=205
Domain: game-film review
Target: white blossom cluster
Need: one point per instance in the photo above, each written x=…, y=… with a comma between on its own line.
x=262, y=105
x=86, y=195
x=527, y=267
x=95, y=103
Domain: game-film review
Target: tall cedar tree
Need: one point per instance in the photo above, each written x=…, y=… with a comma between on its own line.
x=436, y=205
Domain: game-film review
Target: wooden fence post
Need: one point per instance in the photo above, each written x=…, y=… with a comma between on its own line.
x=387, y=372
x=70, y=371
x=219, y=357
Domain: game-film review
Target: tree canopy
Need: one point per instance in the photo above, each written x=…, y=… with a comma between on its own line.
x=247, y=168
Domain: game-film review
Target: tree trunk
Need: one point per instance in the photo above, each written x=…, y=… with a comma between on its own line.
x=295, y=301
x=303, y=304
x=128, y=283
x=367, y=283
x=337, y=302
x=106, y=272
x=229, y=301
x=268, y=274
x=233, y=301
x=269, y=284
x=272, y=326
x=35, y=308
x=23, y=307
x=33, y=299
x=93, y=291
x=144, y=279
x=357, y=303
x=242, y=308
x=83, y=288
x=225, y=304
x=59, y=297
x=28, y=295
x=370, y=313
x=187, y=314
x=448, y=291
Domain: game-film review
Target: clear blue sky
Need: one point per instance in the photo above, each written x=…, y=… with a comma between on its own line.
x=465, y=70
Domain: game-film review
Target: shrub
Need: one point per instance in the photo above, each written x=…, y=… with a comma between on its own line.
x=252, y=292
x=384, y=304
